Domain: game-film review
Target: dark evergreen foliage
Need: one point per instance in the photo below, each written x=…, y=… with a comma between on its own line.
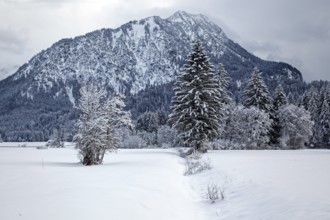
x=196, y=105
x=279, y=100
x=256, y=93
x=325, y=124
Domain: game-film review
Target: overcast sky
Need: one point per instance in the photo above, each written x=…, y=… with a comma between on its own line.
x=293, y=31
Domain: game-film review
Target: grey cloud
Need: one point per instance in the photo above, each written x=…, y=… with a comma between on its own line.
x=12, y=40
x=295, y=31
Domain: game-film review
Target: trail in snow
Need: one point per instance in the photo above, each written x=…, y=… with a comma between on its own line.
x=268, y=185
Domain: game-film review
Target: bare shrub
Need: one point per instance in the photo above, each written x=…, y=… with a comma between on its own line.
x=185, y=152
x=214, y=193
x=134, y=141
x=22, y=145
x=194, y=164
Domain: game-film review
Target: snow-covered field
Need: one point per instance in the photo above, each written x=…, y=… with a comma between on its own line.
x=149, y=184
x=293, y=185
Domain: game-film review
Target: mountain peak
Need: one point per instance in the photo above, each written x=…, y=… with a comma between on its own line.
x=182, y=15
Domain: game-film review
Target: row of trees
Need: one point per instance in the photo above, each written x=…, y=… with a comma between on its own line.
x=203, y=116
x=202, y=111
x=316, y=101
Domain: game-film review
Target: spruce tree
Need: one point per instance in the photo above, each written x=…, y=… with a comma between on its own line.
x=314, y=109
x=256, y=93
x=226, y=100
x=325, y=124
x=304, y=101
x=196, y=105
x=224, y=81
x=291, y=99
x=279, y=100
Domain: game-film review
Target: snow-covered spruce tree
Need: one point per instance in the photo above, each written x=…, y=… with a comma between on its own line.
x=100, y=116
x=226, y=100
x=148, y=121
x=279, y=100
x=325, y=124
x=196, y=106
x=314, y=108
x=291, y=99
x=296, y=126
x=304, y=100
x=256, y=93
x=224, y=81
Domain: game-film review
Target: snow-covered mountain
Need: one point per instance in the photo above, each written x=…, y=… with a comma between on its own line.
x=126, y=60
x=7, y=71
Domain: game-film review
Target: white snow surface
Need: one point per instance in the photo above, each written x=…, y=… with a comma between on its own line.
x=268, y=185
x=149, y=184
x=132, y=184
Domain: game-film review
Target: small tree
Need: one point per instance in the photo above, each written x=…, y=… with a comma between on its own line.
x=256, y=93
x=249, y=128
x=196, y=106
x=56, y=139
x=100, y=117
x=296, y=126
x=325, y=124
x=166, y=136
x=148, y=121
x=225, y=99
x=291, y=99
x=279, y=100
x=224, y=81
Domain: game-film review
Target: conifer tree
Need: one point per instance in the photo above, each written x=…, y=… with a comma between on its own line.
x=291, y=99
x=279, y=100
x=224, y=81
x=313, y=104
x=256, y=93
x=304, y=101
x=325, y=124
x=196, y=105
x=314, y=109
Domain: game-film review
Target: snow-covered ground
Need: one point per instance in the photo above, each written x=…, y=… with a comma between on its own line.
x=132, y=184
x=275, y=185
x=149, y=184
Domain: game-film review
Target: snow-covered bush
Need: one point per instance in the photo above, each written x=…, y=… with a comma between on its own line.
x=166, y=136
x=221, y=144
x=150, y=138
x=248, y=127
x=55, y=140
x=296, y=127
x=22, y=145
x=55, y=143
x=134, y=141
x=195, y=164
x=214, y=193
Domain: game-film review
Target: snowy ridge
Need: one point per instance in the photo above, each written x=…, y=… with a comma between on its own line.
x=139, y=53
x=149, y=51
